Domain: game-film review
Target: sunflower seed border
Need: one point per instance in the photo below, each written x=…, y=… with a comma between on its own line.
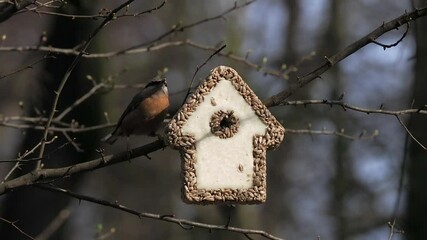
x=186, y=144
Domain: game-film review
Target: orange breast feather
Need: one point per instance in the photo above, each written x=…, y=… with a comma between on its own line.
x=154, y=105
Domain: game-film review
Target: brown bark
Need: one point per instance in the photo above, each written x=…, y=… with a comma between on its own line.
x=416, y=221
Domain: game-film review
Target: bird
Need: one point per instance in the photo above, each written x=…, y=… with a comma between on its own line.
x=144, y=114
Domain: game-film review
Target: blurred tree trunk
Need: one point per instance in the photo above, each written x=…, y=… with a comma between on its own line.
x=340, y=179
x=35, y=208
x=416, y=221
x=290, y=55
x=275, y=208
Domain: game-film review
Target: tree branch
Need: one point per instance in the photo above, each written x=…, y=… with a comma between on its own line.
x=184, y=223
x=346, y=106
x=159, y=46
x=198, y=68
x=93, y=17
x=67, y=74
x=8, y=8
x=410, y=134
x=349, y=50
x=30, y=66
x=341, y=133
x=12, y=223
x=37, y=176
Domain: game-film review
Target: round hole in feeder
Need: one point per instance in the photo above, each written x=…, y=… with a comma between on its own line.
x=224, y=124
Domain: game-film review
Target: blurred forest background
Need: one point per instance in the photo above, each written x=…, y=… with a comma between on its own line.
x=320, y=186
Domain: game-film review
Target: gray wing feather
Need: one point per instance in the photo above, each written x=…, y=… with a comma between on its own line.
x=138, y=98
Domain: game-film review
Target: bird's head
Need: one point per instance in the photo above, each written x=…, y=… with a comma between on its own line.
x=159, y=84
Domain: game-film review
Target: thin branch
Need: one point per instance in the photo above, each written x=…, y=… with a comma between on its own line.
x=16, y=227
x=341, y=133
x=410, y=134
x=94, y=16
x=103, y=161
x=349, y=50
x=178, y=28
x=346, y=106
x=365, y=110
x=17, y=160
x=33, y=120
x=72, y=142
x=405, y=157
x=21, y=159
x=36, y=122
x=72, y=129
x=17, y=165
x=244, y=60
x=75, y=128
x=79, y=101
x=8, y=8
x=199, y=67
x=30, y=66
x=57, y=173
x=394, y=229
x=67, y=74
x=385, y=46
x=241, y=59
x=166, y=218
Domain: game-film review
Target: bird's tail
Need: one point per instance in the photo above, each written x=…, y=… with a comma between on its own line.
x=110, y=138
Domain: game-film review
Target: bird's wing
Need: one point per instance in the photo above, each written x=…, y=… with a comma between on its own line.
x=138, y=98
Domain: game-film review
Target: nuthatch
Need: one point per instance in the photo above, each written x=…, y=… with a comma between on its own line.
x=145, y=113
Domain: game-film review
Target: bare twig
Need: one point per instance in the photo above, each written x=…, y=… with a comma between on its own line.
x=30, y=66
x=241, y=59
x=76, y=129
x=94, y=17
x=8, y=8
x=198, y=68
x=385, y=46
x=178, y=28
x=244, y=60
x=73, y=129
x=33, y=120
x=21, y=158
x=341, y=133
x=166, y=218
x=16, y=227
x=410, y=134
x=159, y=46
x=365, y=110
x=403, y=170
x=79, y=101
x=36, y=122
x=18, y=163
x=394, y=229
x=346, y=106
x=17, y=160
x=109, y=18
x=72, y=142
x=352, y=48
x=54, y=173
x=57, y=173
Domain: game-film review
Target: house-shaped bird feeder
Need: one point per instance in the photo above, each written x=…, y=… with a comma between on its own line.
x=222, y=132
